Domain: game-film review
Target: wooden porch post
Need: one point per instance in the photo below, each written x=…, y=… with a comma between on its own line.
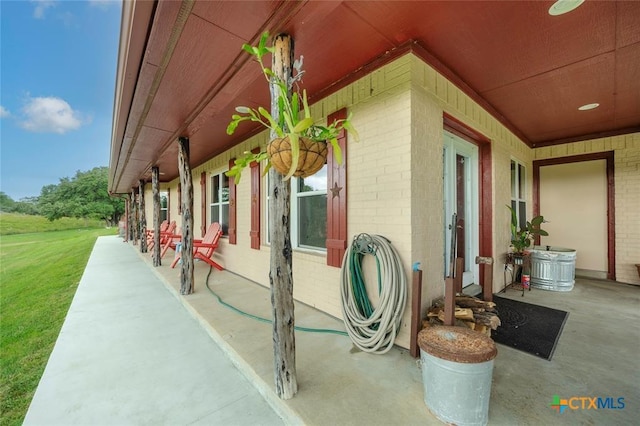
x=186, y=201
x=155, y=188
x=143, y=218
x=127, y=219
x=134, y=218
x=281, y=274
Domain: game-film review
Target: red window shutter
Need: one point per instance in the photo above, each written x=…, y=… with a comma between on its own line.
x=337, y=198
x=233, y=239
x=255, y=203
x=203, y=203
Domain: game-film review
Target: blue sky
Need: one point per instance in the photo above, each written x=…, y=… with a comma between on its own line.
x=57, y=82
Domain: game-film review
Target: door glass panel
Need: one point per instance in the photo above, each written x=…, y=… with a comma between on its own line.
x=460, y=187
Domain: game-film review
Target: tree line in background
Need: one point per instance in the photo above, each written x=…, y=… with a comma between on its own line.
x=83, y=196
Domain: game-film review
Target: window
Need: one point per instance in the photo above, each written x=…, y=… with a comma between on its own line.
x=308, y=211
x=518, y=195
x=220, y=201
x=164, y=206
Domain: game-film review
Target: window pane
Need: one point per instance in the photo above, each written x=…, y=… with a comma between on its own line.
x=317, y=182
x=312, y=221
x=163, y=215
x=225, y=188
x=224, y=221
x=522, y=213
x=215, y=214
x=164, y=200
x=520, y=181
x=215, y=189
x=513, y=180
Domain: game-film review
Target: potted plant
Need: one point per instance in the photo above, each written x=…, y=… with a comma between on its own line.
x=521, y=238
x=300, y=146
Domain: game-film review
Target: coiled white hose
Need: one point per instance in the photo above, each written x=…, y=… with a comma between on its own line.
x=374, y=332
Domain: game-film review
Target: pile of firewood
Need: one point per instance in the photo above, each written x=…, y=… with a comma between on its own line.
x=472, y=312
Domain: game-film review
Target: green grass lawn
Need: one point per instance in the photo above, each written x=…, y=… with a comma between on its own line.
x=15, y=223
x=39, y=274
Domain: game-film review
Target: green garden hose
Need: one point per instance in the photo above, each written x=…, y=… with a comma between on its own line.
x=372, y=329
x=266, y=320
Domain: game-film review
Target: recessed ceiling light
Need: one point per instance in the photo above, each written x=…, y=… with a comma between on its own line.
x=561, y=7
x=587, y=107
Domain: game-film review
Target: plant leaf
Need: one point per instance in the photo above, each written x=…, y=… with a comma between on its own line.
x=270, y=119
x=302, y=125
x=267, y=167
x=337, y=151
x=352, y=131
x=232, y=127
x=248, y=48
x=537, y=221
x=295, y=108
x=294, y=140
x=514, y=222
x=305, y=104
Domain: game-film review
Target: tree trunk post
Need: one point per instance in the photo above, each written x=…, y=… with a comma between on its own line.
x=134, y=218
x=155, y=188
x=127, y=216
x=186, y=182
x=281, y=273
x=143, y=218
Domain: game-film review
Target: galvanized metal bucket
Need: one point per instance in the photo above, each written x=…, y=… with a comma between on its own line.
x=553, y=268
x=457, y=369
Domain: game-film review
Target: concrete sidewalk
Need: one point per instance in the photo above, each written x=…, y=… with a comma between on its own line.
x=135, y=351
x=129, y=353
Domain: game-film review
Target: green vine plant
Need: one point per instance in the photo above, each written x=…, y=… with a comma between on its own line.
x=294, y=119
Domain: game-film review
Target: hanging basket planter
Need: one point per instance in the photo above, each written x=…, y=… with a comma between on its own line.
x=313, y=156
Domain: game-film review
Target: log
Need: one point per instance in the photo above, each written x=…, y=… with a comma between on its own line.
x=127, y=215
x=155, y=188
x=281, y=271
x=472, y=302
x=461, y=314
x=186, y=201
x=487, y=269
x=487, y=318
x=143, y=217
x=134, y=218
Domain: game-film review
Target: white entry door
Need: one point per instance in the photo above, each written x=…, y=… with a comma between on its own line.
x=460, y=182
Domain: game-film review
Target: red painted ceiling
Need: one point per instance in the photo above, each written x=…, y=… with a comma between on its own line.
x=181, y=71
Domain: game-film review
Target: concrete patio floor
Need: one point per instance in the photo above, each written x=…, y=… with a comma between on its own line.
x=596, y=356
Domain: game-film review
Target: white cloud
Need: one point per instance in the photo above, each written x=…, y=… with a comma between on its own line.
x=104, y=4
x=41, y=7
x=4, y=112
x=50, y=115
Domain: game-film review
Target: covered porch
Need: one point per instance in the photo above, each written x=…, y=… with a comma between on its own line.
x=596, y=354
